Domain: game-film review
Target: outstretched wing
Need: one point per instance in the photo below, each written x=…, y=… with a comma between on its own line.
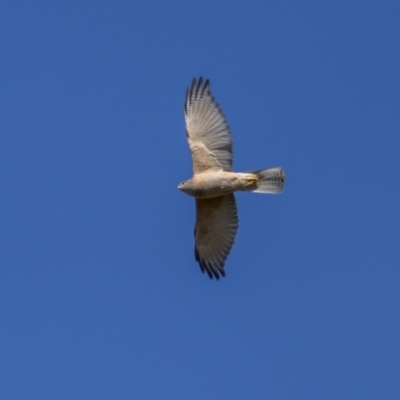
x=208, y=133
x=216, y=226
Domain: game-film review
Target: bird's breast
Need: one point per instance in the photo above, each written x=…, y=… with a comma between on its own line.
x=217, y=183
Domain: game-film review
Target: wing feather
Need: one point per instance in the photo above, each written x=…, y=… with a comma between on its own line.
x=215, y=230
x=208, y=133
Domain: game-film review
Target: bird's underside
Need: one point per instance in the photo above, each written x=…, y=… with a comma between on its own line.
x=218, y=183
x=213, y=182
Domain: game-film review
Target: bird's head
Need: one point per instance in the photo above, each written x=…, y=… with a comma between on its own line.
x=186, y=186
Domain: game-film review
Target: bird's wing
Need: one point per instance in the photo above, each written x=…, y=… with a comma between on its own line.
x=207, y=131
x=215, y=230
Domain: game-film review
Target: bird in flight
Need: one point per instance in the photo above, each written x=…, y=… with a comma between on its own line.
x=213, y=182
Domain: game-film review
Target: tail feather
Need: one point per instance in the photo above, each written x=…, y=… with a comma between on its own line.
x=270, y=180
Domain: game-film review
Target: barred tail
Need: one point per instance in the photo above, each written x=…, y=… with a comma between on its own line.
x=270, y=180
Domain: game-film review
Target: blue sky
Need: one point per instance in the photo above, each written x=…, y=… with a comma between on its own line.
x=100, y=295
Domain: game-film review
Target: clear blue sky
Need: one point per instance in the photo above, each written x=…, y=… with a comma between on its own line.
x=100, y=295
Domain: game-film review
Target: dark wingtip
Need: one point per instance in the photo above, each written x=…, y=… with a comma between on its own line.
x=209, y=273
x=198, y=87
x=207, y=85
x=205, y=267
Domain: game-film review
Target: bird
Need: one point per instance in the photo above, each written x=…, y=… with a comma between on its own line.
x=213, y=182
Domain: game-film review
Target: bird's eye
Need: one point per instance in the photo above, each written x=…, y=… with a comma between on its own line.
x=183, y=183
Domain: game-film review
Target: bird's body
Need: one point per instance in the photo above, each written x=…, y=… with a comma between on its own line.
x=213, y=182
x=218, y=183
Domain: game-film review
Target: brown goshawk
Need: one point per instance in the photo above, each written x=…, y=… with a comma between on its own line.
x=213, y=181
